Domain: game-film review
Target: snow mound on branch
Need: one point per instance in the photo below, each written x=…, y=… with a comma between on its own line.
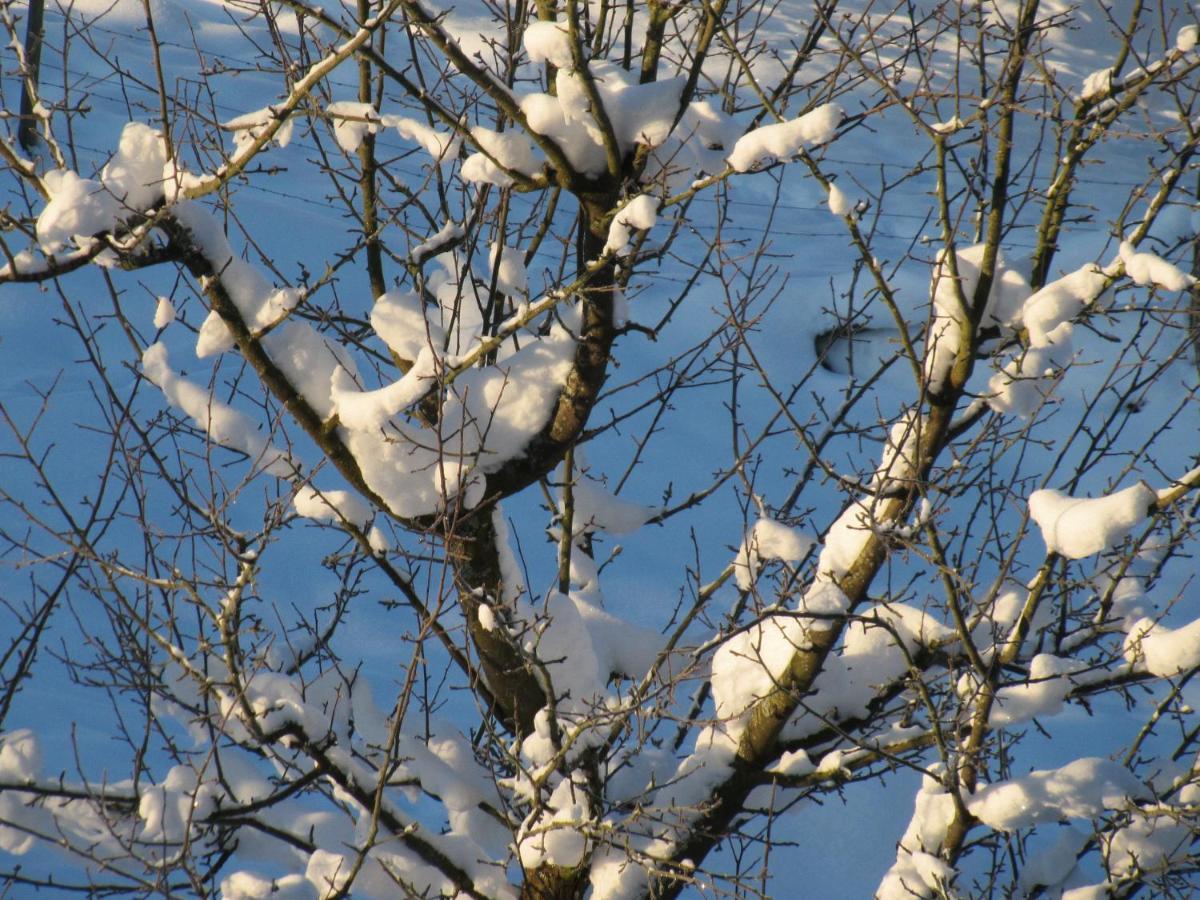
x=598, y=510
x=582, y=646
x=78, y=209
x=496, y=411
x=548, y=42
x=336, y=506
x=164, y=313
x=501, y=152
x=554, y=834
x=768, y=539
x=839, y=203
x=1096, y=85
x=136, y=172
x=1081, y=789
x=443, y=146
x=1078, y=527
x=1043, y=696
x=779, y=143
x=403, y=322
x=137, y=177
x=369, y=410
x=639, y=214
x=1002, y=308
x=1059, y=302
x=20, y=756
x=748, y=666
x=917, y=872
x=248, y=126
x=1186, y=37
x=1148, y=269
x=1162, y=651
x=352, y=122
x=330, y=506
x=1026, y=380
x=640, y=114
x=224, y=424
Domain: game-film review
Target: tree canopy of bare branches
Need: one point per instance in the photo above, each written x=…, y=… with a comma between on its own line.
x=561, y=450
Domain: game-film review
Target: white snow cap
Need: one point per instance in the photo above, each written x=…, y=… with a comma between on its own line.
x=510, y=149
x=1149, y=269
x=547, y=42
x=839, y=203
x=1185, y=39
x=779, y=143
x=352, y=122
x=640, y=213
x=1165, y=652
x=164, y=313
x=1077, y=527
x=443, y=146
x=768, y=539
x=1096, y=85
x=1081, y=789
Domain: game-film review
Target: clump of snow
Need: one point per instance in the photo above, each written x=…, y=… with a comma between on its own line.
x=1078, y=527
x=839, y=203
x=918, y=872
x=1151, y=843
x=403, y=323
x=748, y=666
x=1149, y=269
x=164, y=313
x=78, y=209
x=1185, y=38
x=1051, y=866
x=136, y=177
x=20, y=756
x=1024, y=382
x=598, y=510
x=331, y=506
x=1041, y=697
x=1162, y=651
x=1060, y=301
x=780, y=142
x=795, y=763
x=136, y=172
x=352, y=122
x=768, y=539
x=640, y=213
x=245, y=885
x=949, y=126
x=248, y=126
x=845, y=540
x=431, y=246
x=510, y=150
x=1096, y=85
x=640, y=115
x=370, y=410
x=1027, y=380
x=1004, y=303
x=1002, y=309
x=548, y=42
x=225, y=425
x=1081, y=789
x=443, y=146
x=554, y=834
